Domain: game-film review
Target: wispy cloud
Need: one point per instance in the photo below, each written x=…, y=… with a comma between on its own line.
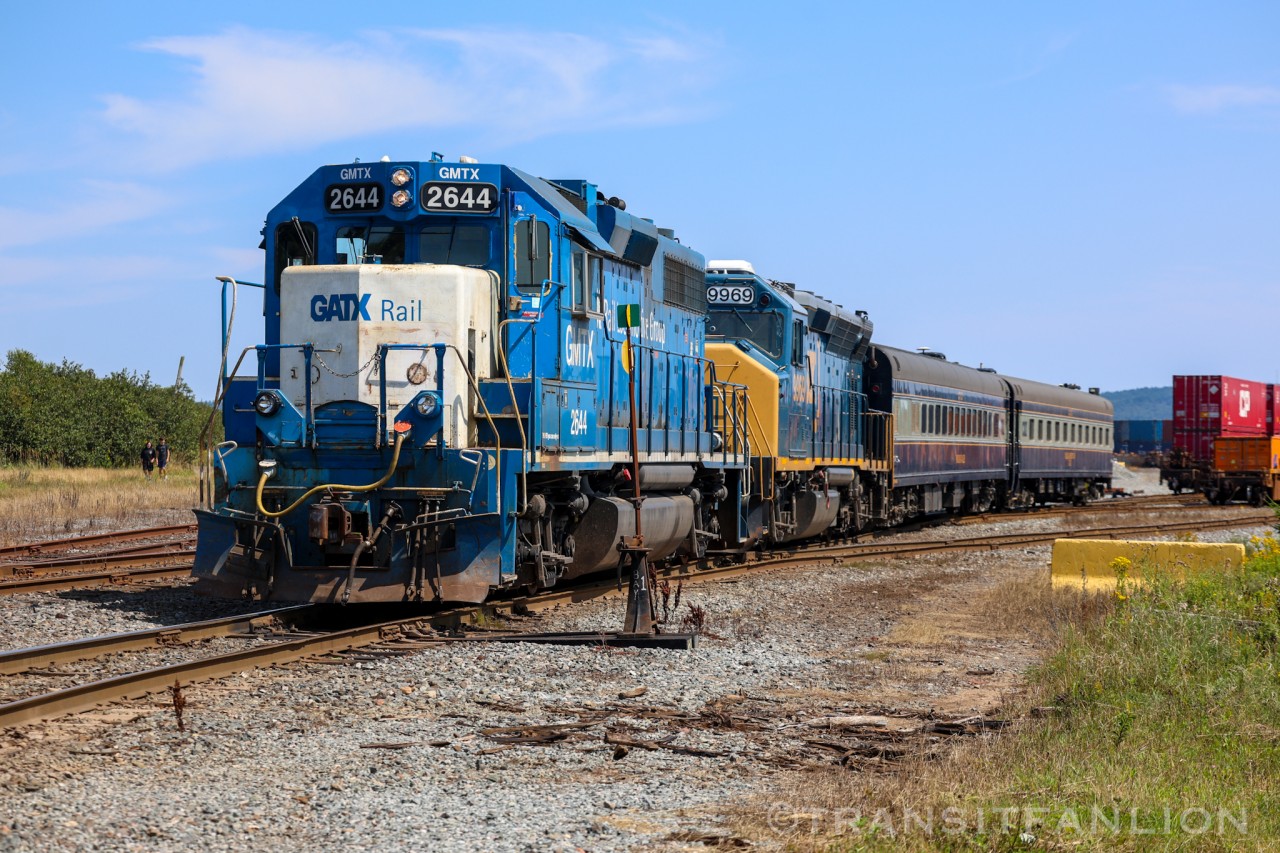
x=1215, y=99
x=256, y=93
x=95, y=205
x=1049, y=54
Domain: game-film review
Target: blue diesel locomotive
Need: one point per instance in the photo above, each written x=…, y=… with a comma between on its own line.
x=440, y=408
x=442, y=401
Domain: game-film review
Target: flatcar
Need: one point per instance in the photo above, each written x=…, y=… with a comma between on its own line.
x=441, y=403
x=1245, y=468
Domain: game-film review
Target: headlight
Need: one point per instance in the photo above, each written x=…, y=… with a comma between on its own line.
x=266, y=403
x=400, y=198
x=400, y=177
x=426, y=404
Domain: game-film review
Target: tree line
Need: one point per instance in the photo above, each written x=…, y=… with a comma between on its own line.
x=65, y=414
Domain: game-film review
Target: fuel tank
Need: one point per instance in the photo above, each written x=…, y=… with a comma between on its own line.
x=814, y=513
x=667, y=522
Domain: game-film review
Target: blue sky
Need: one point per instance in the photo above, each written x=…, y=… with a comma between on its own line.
x=1078, y=192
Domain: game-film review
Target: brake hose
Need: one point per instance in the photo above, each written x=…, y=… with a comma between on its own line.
x=395, y=459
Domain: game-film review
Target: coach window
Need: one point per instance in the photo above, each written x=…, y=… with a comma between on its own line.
x=533, y=254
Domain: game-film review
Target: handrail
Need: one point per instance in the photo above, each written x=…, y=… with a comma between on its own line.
x=206, y=451
x=471, y=381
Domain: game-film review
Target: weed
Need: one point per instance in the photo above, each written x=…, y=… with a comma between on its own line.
x=695, y=620
x=179, y=704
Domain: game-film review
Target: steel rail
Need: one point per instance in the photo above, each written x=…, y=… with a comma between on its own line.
x=136, y=685
x=74, y=651
x=38, y=564
x=97, y=538
x=137, y=572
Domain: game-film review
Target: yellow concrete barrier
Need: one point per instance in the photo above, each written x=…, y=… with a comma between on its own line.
x=1086, y=563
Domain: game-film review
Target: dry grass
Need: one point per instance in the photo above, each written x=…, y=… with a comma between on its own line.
x=835, y=809
x=1150, y=726
x=48, y=503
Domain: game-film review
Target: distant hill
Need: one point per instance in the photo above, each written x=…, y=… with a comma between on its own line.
x=1142, y=404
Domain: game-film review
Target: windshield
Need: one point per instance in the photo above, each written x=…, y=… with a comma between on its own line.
x=464, y=245
x=764, y=330
x=380, y=244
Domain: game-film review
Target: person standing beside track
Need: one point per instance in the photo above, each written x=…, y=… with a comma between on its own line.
x=162, y=458
x=148, y=460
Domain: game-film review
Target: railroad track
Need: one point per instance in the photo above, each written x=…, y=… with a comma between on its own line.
x=282, y=640
x=48, y=567
x=12, y=553
x=1136, y=502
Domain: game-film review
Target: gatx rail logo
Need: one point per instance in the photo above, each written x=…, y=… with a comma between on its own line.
x=340, y=306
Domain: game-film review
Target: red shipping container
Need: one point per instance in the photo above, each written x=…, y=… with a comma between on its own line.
x=1196, y=442
x=1273, y=409
x=1219, y=405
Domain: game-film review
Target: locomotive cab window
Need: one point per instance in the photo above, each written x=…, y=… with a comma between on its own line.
x=295, y=246
x=763, y=330
x=533, y=254
x=462, y=245
x=380, y=244
x=584, y=281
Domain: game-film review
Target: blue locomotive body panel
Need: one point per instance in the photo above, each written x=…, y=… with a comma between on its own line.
x=442, y=397
x=456, y=356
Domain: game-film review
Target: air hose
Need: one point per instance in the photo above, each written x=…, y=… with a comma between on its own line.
x=401, y=431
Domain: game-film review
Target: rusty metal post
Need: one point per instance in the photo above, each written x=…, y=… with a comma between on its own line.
x=639, y=618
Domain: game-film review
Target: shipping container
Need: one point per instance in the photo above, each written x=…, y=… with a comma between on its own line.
x=1219, y=405
x=1273, y=409
x=1198, y=444
x=1148, y=431
x=1141, y=436
x=1235, y=453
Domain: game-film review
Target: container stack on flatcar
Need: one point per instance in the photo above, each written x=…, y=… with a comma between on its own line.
x=441, y=405
x=1222, y=438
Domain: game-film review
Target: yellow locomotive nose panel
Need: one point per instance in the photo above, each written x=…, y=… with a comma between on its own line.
x=734, y=365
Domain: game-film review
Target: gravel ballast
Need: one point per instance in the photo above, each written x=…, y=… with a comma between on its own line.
x=397, y=752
